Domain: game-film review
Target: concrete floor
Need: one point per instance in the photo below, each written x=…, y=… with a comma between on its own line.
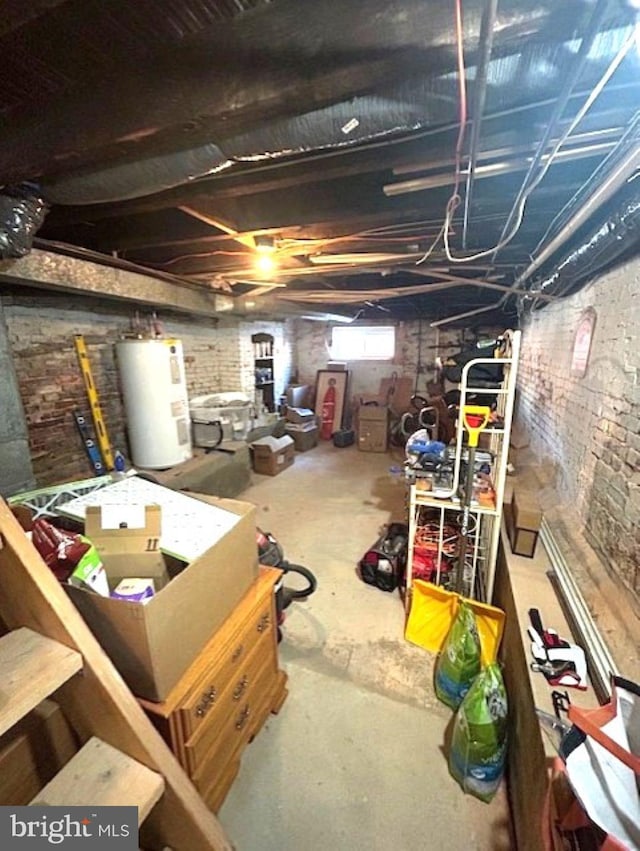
x=355, y=758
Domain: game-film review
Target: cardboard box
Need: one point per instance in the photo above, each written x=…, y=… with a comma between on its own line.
x=272, y=455
x=523, y=518
x=527, y=513
x=372, y=428
x=152, y=645
x=305, y=437
x=119, y=547
x=300, y=415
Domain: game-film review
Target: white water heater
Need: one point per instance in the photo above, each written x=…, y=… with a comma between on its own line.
x=156, y=404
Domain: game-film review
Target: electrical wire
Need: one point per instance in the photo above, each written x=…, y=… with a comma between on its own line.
x=595, y=93
x=454, y=200
x=630, y=135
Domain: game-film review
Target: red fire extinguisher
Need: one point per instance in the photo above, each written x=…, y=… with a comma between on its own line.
x=328, y=411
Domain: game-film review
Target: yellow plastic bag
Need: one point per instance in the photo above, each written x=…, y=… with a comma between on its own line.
x=433, y=610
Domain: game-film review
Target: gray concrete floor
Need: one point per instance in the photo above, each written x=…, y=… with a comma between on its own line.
x=355, y=758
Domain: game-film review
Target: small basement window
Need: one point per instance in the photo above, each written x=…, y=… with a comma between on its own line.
x=373, y=342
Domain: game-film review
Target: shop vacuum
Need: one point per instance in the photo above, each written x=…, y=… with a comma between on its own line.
x=270, y=553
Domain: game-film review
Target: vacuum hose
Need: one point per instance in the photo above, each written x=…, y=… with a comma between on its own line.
x=270, y=553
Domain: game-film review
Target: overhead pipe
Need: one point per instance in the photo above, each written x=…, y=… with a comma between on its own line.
x=624, y=170
x=612, y=239
x=495, y=169
x=123, y=181
x=479, y=96
x=629, y=138
x=595, y=22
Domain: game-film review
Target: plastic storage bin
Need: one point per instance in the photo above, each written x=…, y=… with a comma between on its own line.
x=233, y=411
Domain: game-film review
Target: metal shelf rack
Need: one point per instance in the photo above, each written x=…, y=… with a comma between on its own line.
x=440, y=514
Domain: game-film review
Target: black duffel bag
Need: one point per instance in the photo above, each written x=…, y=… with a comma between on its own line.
x=384, y=564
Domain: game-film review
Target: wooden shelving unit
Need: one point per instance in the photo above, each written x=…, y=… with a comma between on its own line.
x=263, y=361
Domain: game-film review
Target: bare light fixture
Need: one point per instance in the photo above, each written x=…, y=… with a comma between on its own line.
x=264, y=244
x=265, y=264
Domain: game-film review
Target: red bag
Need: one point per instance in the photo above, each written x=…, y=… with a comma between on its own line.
x=60, y=550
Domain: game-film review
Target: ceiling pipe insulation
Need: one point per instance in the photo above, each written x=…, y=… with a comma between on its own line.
x=425, y=98
x=615, y=237
x=623, y=171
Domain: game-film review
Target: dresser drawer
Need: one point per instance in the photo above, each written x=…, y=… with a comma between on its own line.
x=210, y=750
x=228, y=665
x=261, y=665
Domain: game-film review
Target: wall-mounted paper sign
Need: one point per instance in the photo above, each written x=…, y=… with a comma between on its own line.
x=582, y=343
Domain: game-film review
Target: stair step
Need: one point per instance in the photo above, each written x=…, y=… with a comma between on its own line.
x=100, y=775
x=32, y=667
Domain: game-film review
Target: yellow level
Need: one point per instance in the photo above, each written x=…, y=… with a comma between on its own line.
x=96, y=410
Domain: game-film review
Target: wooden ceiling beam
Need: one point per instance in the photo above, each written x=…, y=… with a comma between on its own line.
x=219, y=224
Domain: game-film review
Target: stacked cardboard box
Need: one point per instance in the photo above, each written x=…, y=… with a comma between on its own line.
x=302, y=427
x=272, y=455
x=372, y=428
x=523, y=523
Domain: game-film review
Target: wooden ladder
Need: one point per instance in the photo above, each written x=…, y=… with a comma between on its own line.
x=49, y=650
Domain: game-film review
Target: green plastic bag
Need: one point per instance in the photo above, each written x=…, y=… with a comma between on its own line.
x=479, y=741
x=459, y=661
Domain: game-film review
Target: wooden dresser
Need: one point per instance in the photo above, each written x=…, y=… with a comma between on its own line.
x=226, y=695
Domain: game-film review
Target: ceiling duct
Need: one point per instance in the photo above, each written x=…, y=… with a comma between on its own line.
x=139, y=119
x=136, y=179
x=22, y=211
x=617, y=236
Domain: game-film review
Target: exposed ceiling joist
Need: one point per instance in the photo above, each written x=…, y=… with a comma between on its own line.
x=219, y=224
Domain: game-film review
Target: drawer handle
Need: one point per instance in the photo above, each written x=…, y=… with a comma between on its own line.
x=264, y=623
x=240, y=688
x=208, y=697
x=243, y=717
x=237, y=653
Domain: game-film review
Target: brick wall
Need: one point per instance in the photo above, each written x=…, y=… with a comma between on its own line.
x=590, y=427
x=41, y=329
x=417, y=346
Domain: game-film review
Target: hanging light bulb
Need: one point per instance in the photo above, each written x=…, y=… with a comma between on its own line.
x=265, y=264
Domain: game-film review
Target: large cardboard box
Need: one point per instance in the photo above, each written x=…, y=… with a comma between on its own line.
x=527, y=513
x=523, y=518
x=152, y=644
x=272, y=455
x=373, y=428
x=305, y=437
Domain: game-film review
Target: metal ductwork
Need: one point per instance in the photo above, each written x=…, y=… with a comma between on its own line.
x=420, y=103
x=167, y=114
x=618, y=235
x=22, y=211
x=134, y=180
